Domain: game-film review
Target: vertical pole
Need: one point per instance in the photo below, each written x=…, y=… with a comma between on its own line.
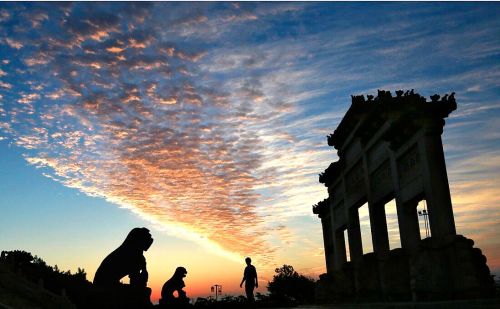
x=427, y=233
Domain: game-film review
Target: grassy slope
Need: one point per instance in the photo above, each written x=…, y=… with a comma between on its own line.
x=17, y=292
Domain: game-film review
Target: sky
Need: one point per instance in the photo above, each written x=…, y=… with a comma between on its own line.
x=207, y=123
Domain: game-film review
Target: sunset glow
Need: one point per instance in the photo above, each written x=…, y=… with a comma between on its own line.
x=206, y=123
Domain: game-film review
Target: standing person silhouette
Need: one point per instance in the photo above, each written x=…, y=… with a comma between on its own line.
x=250, y=279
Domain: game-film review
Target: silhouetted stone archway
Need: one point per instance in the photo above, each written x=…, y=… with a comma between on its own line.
x=390, y=148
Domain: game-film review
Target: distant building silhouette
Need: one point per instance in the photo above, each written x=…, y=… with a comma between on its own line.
x=390, y=148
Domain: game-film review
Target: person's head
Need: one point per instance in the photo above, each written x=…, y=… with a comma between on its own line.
x=248, y=261
x=139, y=238
x=180, y=272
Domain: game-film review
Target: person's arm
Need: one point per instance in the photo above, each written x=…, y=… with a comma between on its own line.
x=243, y=280
x=256, y=280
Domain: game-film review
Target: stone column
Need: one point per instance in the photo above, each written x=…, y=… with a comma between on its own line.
x=339, y=250
x=409, y=230
x=436, y=187
x=354, y=232
x=380, y=236
x=328, y=243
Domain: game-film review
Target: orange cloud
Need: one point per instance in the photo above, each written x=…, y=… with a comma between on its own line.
x=115, y=49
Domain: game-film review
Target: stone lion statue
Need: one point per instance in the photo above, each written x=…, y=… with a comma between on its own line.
x=127, y=259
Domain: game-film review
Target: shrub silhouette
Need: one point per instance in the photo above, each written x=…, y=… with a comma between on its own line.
x=288, y=285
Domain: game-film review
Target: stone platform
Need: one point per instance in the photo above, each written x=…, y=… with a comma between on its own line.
x=448, y=268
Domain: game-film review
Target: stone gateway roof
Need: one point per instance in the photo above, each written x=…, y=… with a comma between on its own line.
x=406, y=113
x=366, y=116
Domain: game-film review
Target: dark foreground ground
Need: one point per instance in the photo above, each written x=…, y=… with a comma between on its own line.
x=486, y=303
x=17, y=292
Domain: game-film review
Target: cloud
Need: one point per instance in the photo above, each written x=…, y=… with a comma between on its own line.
x=129, y=130
x=212, y=121
x=4, y=15
x=5, y=85
x=13, y=43
x=36, y=17
x=194, y=57
x=28, y=98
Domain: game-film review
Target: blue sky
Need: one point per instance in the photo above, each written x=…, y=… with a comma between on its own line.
x=207, y=121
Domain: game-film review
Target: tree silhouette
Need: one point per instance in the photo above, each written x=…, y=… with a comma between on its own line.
x=34, y=269
x=287, y=284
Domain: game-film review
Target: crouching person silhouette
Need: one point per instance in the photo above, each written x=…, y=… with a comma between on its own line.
x=127, y=259
x=175, y=284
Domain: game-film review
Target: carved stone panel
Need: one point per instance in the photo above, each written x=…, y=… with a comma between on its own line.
x=353, y=151
x=409, y=166
x=355, y=179
x=381, y=179
x=376, y=155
